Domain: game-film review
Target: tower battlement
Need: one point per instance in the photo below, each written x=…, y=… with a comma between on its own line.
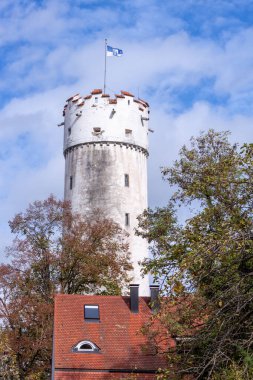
x=99, y=118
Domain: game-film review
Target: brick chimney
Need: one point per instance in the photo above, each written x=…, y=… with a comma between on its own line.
x=154, y=298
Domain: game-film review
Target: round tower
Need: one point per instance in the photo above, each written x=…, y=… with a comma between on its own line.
x=106, y=150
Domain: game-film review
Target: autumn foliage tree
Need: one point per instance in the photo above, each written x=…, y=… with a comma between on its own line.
x=206, y=264
x=53, y=251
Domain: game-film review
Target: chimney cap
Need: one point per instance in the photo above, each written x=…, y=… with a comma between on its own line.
x=154, y=286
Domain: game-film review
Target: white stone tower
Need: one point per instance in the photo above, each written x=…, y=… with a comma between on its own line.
x=106, y=149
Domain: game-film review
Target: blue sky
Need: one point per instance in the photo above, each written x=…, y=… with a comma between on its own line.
x=192, y=60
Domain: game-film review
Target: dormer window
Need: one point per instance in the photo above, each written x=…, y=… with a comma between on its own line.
x=86, y=346
x=91, y=313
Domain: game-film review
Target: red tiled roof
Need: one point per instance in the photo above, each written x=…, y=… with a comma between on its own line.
x=71, y=97
x=138, y=101
x=127, y=93
x=89, y=375
x=144, y=102
x=105, y=96
x=117, y=334
x=88, y=97
x=112, y=101
x=96, y=91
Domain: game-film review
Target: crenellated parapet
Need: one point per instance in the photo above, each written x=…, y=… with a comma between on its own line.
x=99, y=118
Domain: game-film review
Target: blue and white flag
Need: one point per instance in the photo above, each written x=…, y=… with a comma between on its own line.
x=110, y=51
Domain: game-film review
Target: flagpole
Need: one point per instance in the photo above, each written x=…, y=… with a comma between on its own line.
x=105, y=65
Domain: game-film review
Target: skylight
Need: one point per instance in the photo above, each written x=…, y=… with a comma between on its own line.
x=91, y=312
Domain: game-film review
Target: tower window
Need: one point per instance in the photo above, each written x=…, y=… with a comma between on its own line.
x=127, y=180
x=69, y=131
x=128, y=132
x=70, y=182
x=91, y=313
x=96, y=99
x=127, y=220
x=128, y=102
x=97, y=130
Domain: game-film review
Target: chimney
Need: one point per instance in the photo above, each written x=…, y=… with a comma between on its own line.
x=154, y=298
x=134, y=298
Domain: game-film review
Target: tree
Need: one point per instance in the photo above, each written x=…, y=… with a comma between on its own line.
x=8, y=367
x=53, y=251
x=27, y=325
x=94, y=257
x=206, y=264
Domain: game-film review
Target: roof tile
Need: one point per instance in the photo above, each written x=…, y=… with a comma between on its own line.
x=97, y=91
x=126, y=93
x=117, y=334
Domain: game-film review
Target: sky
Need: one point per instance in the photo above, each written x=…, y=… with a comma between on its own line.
x=192, y=60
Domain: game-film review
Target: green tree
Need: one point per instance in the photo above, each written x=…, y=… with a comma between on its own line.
x=54, y=251
x=206, y=264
